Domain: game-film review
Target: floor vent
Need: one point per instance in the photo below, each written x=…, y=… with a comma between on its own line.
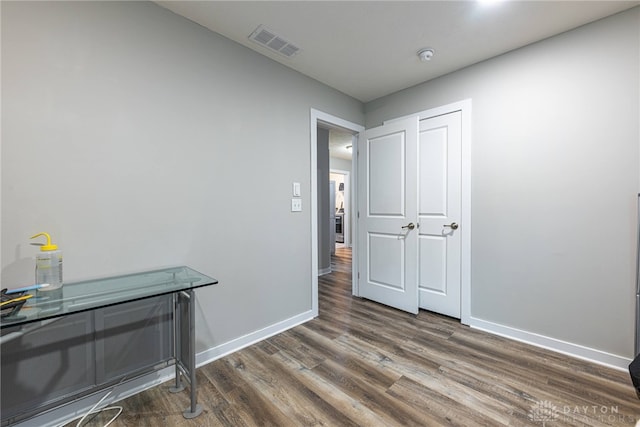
x=274, y=42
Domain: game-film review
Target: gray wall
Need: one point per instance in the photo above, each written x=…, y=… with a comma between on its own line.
x=139, y=139
x=340, y=164
x=324, y=221
x=554, y=181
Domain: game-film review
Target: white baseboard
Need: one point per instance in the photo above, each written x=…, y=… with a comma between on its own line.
x=66, y=413
x=222, y=350
x=559, y=346
x=324, y=271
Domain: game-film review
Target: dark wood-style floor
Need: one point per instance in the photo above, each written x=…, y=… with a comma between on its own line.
x=363, y=364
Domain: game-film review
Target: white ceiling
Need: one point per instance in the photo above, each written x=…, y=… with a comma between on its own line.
x=367, y=49
x=338, y=142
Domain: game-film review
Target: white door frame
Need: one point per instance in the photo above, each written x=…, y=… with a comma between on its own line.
x=318, y=116
x=464, y=107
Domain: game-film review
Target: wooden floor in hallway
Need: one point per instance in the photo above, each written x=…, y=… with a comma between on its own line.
x=364, y=364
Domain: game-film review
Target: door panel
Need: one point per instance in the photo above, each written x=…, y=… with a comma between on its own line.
x=387, y=178
x=432, y=151
x=386, y=175
x=386, y=261
x=439, y=189
x=433, y=264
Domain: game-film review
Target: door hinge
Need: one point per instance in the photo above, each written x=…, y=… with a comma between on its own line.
x=358, y=214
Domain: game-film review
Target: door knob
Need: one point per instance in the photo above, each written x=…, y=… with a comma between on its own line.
x=452, y=226
x=410, y=226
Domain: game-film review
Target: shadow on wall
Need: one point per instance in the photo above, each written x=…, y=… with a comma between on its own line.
x=20, y=270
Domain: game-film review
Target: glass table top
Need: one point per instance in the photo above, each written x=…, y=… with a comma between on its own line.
x=99, y=293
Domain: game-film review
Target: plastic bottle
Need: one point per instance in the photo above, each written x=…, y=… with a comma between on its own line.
x=49, y=264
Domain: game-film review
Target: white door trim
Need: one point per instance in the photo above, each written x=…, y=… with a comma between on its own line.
x=318, y=116
x=355, y=291
x=464, y=107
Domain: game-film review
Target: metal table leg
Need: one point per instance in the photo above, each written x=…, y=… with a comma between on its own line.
x=195, y=409
x=186, y=367
x=177, y=343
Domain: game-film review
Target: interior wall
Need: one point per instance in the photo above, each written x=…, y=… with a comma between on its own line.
x=340, y=164
x=554, y=181
x=324, y=240
x=140, y=140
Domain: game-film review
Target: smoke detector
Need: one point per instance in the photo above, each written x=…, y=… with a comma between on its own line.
x=269, y=39
x=425, y=54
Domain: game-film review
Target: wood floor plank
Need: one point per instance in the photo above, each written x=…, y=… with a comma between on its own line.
x=349, y=406
x=287, y=342
x=250, y=406
x=301, y=405
x=392, y=411
x=440, y=409
x=326, y=329
x=431, y=375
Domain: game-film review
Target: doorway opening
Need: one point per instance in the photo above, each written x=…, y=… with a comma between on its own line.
x=330, y=140
x=334, y=183
x=343, y=211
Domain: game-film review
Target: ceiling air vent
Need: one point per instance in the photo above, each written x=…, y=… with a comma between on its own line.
x=273, y=42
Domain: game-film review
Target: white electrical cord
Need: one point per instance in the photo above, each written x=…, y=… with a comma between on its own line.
x=119, y=408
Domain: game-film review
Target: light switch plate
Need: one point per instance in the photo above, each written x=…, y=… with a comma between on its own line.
x=296, y=189
x=296, y=205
